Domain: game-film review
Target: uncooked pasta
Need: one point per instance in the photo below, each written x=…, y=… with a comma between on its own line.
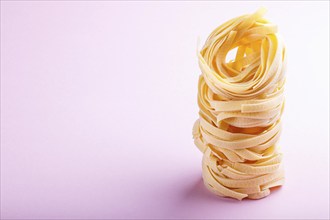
x=240, y=106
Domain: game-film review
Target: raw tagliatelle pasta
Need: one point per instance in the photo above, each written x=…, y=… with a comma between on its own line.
x=241, y=102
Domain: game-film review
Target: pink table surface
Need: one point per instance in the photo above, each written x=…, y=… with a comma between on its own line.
x=98, y=100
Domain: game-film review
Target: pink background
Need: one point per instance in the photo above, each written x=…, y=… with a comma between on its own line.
x=98, y=100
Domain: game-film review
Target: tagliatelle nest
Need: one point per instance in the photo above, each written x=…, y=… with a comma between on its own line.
x=241, y=103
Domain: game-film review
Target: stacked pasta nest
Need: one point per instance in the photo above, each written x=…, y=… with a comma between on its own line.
x=241, y=102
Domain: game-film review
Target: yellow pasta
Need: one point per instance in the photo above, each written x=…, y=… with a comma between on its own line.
x=241, y=102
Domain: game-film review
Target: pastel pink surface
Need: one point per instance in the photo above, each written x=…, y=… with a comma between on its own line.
x=98, y=100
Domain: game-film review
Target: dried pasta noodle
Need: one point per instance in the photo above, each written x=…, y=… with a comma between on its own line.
x=241, y=103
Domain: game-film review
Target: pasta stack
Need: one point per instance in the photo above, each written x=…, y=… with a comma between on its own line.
x=241, y=102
